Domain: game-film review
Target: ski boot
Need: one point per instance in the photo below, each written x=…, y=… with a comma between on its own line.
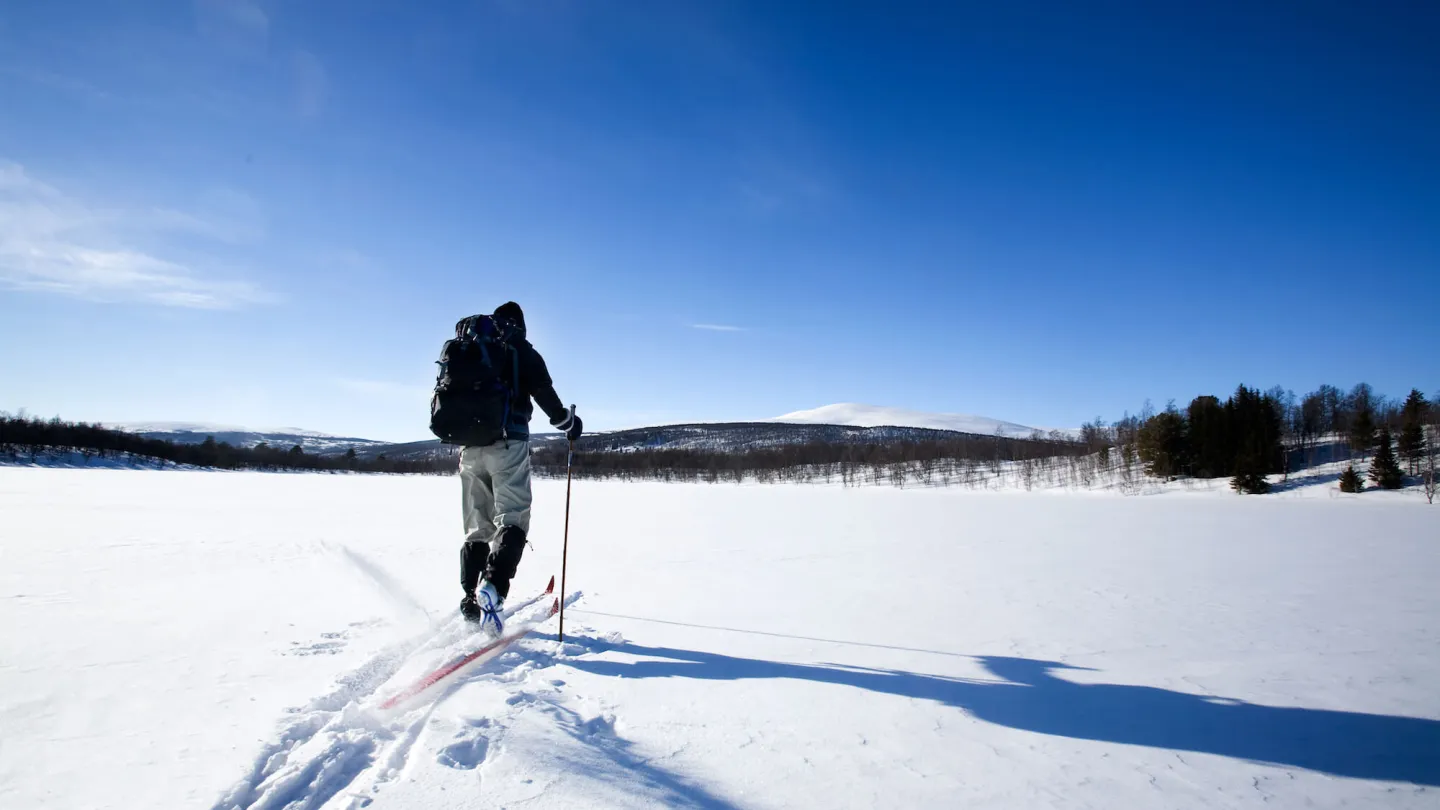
x=482, y=609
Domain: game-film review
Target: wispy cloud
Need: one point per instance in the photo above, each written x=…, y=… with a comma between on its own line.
x=52, y=242
x=235, y=231
x=717, y=327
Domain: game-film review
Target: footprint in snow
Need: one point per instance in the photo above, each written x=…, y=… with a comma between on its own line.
x=331, y=643
x=318, y=648
x=603, y=724
x=466, y=753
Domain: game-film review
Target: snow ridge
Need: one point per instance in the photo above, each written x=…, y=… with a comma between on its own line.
x=858, y=415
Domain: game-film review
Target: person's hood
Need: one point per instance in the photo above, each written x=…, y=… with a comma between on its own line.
x=511, y=311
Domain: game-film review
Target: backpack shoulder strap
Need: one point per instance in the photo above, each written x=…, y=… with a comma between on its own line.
x=515, y=373
x=506, y=337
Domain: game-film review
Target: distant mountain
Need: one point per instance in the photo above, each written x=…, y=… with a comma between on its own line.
x=733, y=436
x=857, y=415
x=285, y=437
x=718, y=436
x=845, y=423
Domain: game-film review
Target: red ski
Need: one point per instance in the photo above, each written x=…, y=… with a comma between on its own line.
x=489, y=650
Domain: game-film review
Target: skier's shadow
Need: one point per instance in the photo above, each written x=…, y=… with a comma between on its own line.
x=1030, y=697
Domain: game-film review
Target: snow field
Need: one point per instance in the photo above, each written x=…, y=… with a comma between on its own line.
x=174, y=639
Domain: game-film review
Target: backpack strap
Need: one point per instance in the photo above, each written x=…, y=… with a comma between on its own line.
x=515, y=375
x=505, y=338
x=476, y=336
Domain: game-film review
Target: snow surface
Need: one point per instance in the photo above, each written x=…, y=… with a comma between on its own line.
x=208, y=639
x=857, y=415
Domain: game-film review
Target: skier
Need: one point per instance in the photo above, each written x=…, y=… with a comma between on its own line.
x=495, y=477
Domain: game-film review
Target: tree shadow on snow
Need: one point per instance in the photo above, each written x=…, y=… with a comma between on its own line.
x=1031, y=698
x=1299, y=480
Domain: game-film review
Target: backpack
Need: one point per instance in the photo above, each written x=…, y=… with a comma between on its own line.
x=479, y=374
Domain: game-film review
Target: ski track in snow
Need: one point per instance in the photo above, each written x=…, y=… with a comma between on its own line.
x=339, y=743
x=339, y=752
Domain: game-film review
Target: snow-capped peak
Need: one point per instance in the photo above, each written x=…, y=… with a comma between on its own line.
x=858, y=415
x=311, y=441
x=208, y=427
x=177, y=427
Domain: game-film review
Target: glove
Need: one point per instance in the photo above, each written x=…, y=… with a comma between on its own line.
x=569, y=424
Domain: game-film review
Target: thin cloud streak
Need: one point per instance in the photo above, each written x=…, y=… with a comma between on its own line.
x=52, y=243
x=717, y=327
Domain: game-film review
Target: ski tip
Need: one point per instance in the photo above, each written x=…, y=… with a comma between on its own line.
x=555, y=606
x=549, y=589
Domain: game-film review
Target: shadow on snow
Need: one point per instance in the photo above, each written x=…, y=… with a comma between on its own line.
x=1031, y=698
x=770, y=634
x=602, y=755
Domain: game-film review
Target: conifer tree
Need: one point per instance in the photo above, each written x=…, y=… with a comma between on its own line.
x=1350, y=481
x=1254, y=428
x=1248, y=479
x=1163, y=445
x=1384, y=470
x=1210, y=439
x=1412, y=429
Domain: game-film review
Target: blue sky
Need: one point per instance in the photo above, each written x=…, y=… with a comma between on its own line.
x=271, y=213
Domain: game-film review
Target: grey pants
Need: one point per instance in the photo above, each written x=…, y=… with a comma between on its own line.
x=495, y=489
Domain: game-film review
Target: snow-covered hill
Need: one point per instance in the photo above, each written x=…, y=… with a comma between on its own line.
x=728, y=437
x=858, y=415
x=312, y=441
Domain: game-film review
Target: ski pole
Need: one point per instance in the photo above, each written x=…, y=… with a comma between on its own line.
x=565, y=548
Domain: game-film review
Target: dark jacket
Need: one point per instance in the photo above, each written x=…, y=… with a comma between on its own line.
x=534, y=383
